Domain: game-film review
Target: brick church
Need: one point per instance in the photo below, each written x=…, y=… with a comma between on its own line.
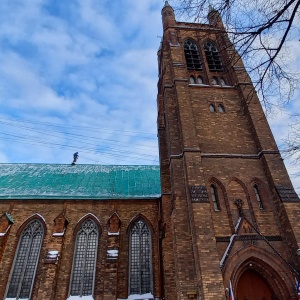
x=219, y=212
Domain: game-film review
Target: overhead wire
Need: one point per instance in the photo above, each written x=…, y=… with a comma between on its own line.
x=91, y=145
x=80, y=127
x=33, y=140
x=107, y=154
x=75, y=135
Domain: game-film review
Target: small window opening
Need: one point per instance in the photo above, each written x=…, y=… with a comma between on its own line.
x=214, y=81
x=212, y=57
x=192, y=56
x=192, y=80
x=200, y=80
x=221, y=108
x=212, y=108
x=258, y=198
x=222, y=82
x=214, y=194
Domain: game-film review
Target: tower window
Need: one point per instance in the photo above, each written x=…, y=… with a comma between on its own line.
x=199, y=80
x=84, y=262
x=213, y=57
x=192, y=56
x=212, y=108
x=221, y=108
x=26, y=260
x=140, y=259
x=222, y=82
x=192, y=80
x=214, y=81
x=214, y=194
x=258, y=198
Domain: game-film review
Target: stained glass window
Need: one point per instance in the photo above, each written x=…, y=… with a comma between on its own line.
x=140, y=259
x=84, y=262
x=192, y=56
x=26, y=260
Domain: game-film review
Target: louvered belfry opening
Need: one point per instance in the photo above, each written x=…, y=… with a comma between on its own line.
x=213, y=57
x=192, y=56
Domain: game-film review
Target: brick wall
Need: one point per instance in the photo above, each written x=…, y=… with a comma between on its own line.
x=234, y=150
x=52, y=279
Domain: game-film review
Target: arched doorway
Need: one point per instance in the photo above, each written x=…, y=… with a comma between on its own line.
x=252, y=286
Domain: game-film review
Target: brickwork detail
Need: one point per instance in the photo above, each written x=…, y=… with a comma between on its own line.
x=199, y=194
x=287, y=194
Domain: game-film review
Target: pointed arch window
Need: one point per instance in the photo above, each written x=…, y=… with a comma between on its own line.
x=199, y=80
x=212, y=57
x=84, y=261
x=214, y=81
x=215, y=198
x=222, y=81
x=192, y=56
x=221, y=108
x=140, y=259
x=258, y=198
x=192, y=80
x=212, y=108
x=26, y=260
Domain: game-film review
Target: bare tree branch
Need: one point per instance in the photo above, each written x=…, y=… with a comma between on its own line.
x=259, y=30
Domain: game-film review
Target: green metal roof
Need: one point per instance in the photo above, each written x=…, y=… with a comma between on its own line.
x=48, y=181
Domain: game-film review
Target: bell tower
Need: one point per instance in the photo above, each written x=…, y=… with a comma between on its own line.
x=229, y=211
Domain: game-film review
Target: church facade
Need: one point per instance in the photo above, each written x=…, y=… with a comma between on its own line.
x=218, y=216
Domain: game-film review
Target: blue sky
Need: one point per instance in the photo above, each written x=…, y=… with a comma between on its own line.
x=81, y=76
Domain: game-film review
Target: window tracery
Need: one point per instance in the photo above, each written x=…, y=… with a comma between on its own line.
x=26, y=260
x=84, y=262
x=140, y=259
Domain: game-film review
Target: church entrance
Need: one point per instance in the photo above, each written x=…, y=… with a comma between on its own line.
x=252, y=286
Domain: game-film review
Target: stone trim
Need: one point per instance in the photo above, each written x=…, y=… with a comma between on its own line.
x=269, y=238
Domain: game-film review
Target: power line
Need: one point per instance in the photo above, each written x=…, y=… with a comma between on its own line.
x=81, y=127
x=33, y=141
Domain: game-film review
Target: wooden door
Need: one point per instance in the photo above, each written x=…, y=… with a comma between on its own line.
x=252, y=286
